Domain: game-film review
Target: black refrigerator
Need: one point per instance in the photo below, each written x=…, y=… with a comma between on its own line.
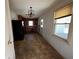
x=18, y=32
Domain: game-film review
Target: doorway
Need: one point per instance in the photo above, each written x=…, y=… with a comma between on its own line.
x=31, y=25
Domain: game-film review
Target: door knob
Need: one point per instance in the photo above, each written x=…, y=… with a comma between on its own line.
x=9, y=42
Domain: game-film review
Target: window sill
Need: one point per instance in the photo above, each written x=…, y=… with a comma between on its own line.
x=65, y=40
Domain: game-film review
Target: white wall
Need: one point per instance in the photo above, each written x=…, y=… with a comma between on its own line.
x=65, y=49
x=9, y=48
x=14, y=15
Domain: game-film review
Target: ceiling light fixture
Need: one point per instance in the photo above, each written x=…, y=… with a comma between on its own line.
x=30, y=12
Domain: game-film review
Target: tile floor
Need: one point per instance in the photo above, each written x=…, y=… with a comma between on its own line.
x=34, y=46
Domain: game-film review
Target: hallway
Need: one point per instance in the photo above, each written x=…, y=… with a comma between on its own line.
x=34, y=46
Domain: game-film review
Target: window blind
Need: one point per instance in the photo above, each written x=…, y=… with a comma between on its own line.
x=64, y=11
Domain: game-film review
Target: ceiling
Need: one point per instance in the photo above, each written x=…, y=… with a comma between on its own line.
x=39, y=6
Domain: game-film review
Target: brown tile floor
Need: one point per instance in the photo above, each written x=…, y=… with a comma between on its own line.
x=35, y=47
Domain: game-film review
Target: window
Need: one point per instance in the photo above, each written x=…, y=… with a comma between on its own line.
x=30, y=23
x=62, y=18
x=22, y=23
x=41, y=23
x=62, y=26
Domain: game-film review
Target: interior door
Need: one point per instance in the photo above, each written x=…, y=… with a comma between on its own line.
x=9, y=43
x=31, y=25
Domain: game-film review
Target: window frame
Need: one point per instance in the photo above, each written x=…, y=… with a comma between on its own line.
x=29, y=23
x=62, y=23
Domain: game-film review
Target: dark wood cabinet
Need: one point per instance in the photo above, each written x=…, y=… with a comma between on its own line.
x=18, y=30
